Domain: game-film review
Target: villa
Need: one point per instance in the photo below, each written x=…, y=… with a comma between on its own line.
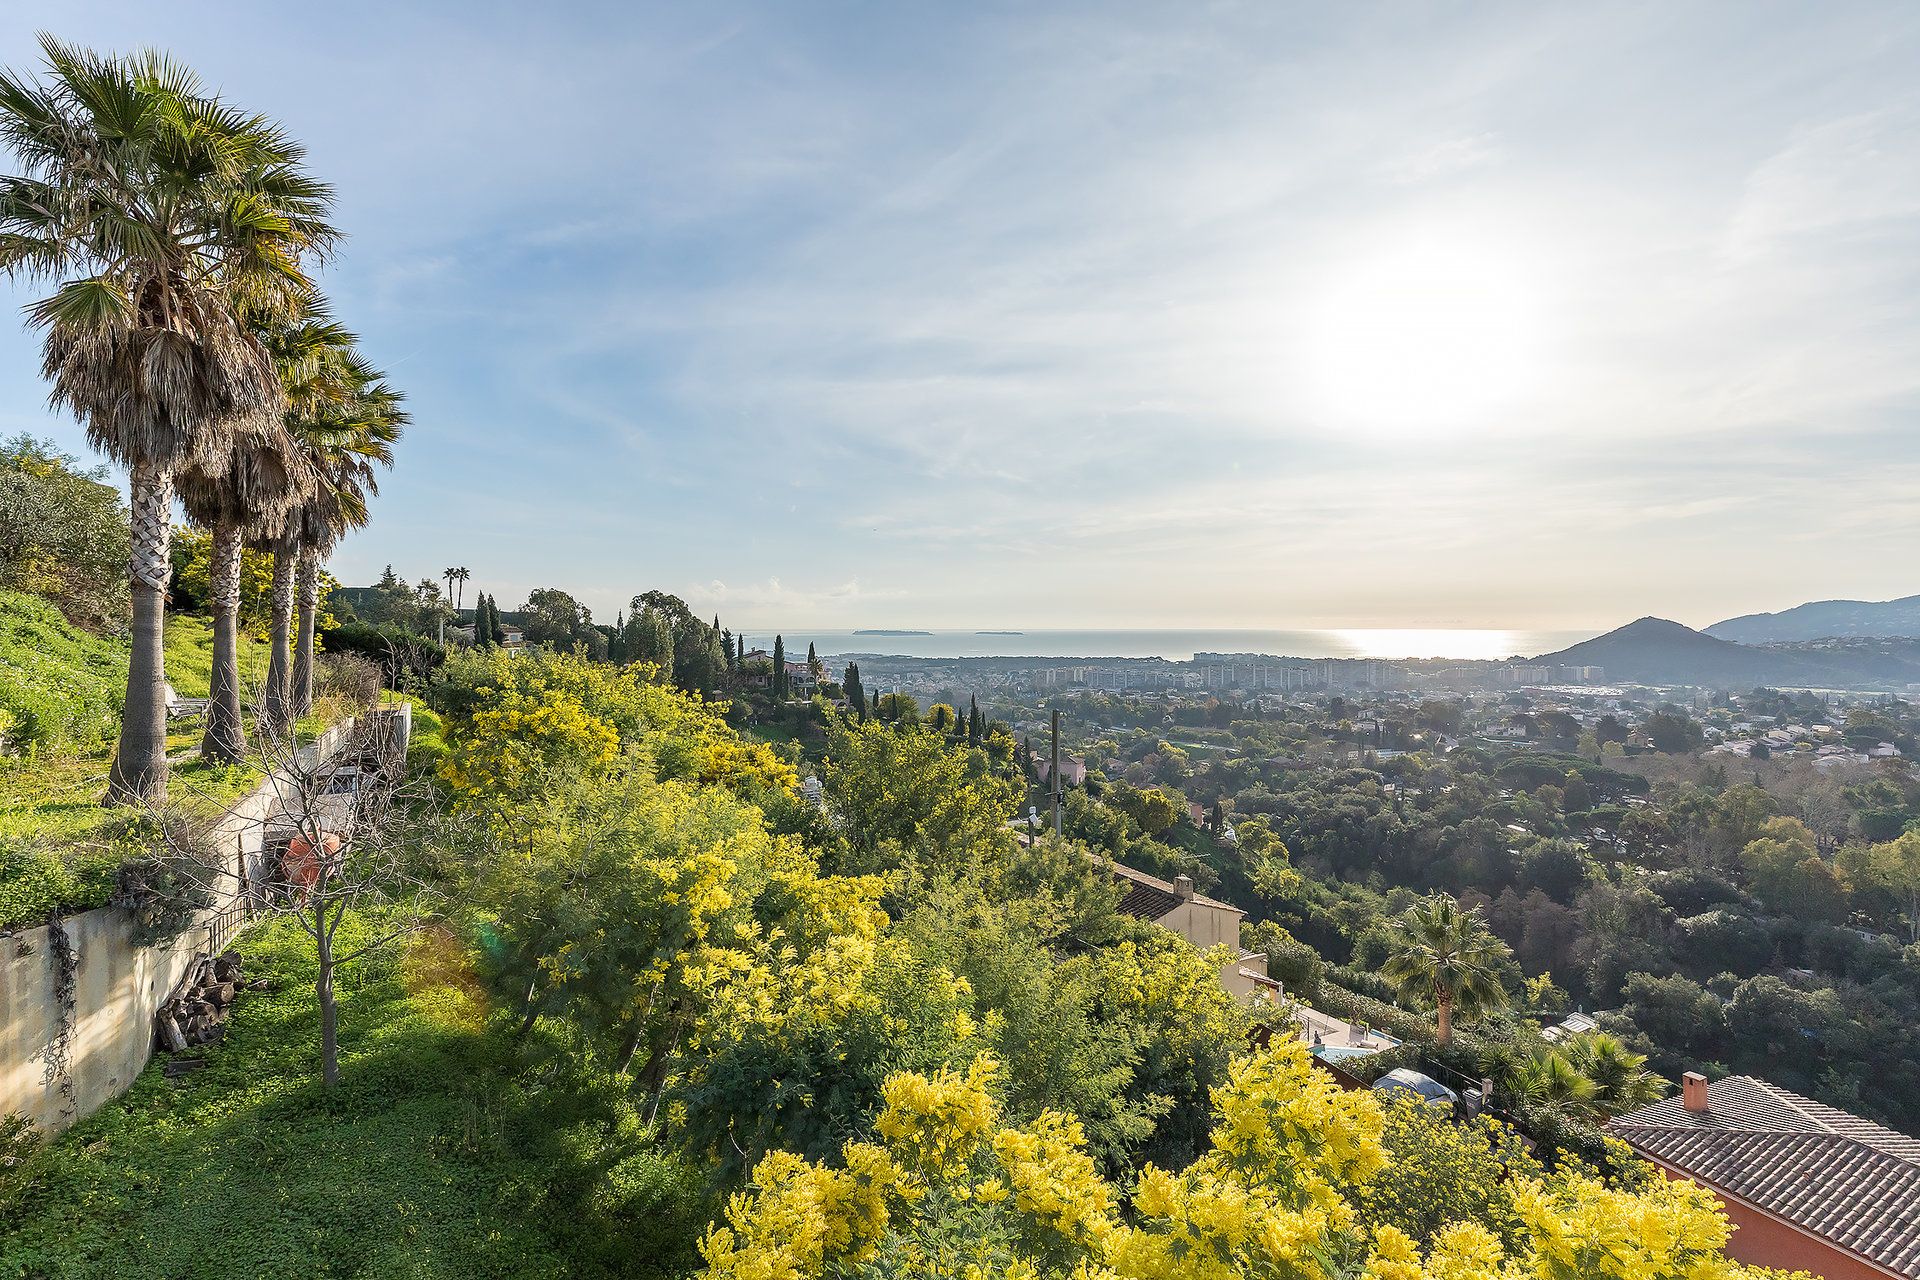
x=1203, y=921
x=1808, y=1186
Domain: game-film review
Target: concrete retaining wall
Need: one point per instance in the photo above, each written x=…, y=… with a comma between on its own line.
x=118, y=985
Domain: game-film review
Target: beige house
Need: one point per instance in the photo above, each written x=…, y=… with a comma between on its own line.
x=1203, y=921
x=1073, y=769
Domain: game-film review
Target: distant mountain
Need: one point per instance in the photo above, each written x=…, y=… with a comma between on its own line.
x=1656, y=651
x=1822, y=619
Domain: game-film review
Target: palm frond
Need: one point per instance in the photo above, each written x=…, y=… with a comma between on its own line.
x=92, y=304
x=162, y=216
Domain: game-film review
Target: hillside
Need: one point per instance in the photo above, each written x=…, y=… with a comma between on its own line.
x=1821, y=619
x=60, y=688
x=1657, y=651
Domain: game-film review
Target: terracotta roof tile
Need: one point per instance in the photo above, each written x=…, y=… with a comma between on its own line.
x=1827, y=1171
x=1148, y=897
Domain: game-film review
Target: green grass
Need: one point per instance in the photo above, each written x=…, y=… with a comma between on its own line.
x=60, y=688
x=435, y=1156
x=52, y=856
x=190, y=657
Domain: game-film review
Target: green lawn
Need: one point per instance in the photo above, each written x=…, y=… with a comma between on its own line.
x=53, y=798
x=434, y=1157
x=190, y=657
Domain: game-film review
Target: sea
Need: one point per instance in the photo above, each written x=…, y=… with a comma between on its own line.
x=1490, y=644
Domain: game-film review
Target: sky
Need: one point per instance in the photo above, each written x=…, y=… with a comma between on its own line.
x=1110, y=315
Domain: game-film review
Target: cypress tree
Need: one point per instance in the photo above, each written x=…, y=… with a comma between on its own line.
x=973, y=721
x=780, y=667
x=494, y=624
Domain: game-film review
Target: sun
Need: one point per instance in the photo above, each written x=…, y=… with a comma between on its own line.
x=1424, y=334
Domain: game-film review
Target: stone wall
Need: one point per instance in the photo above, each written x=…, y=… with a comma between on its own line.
x=117, y=986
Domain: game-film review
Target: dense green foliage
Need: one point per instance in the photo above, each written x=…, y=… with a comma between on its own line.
x=38, y=878
x=60, y=688
x=63, y=534
x=672, y=989
x=1755, y=921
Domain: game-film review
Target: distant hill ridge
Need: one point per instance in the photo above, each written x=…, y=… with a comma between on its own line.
x=1659, y=651
x=1822, y=619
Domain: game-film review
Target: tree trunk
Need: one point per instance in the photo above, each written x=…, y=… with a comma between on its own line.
x=329, y=1015
x=629, y=1045
x=278, y=703
x=308, y=594
x=1443, y=1006
x=225, y=739
x=140, y=762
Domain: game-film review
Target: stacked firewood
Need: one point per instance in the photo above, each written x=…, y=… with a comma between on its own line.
x=197, y=1012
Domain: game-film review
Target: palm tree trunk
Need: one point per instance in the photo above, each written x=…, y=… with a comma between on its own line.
x=1443, y=1007
x=225, y=738
x=308, y=593
x=278, y=703
x=140, y=762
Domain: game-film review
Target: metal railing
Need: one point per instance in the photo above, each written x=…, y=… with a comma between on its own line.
x=225, y=926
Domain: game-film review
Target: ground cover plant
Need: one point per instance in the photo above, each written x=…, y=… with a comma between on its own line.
x=430, y=1159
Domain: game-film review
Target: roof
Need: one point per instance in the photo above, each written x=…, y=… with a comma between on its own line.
x=1829, y=1172
x=1572, y=1025
x=1149, y=898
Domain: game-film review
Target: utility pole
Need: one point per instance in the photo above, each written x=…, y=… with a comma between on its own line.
x=1055, y=772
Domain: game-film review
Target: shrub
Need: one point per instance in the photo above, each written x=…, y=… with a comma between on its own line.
x=37, y=881
x=404, y=657
x=472, y=1170
x=63, y=534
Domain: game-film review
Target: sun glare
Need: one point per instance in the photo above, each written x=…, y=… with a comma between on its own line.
x=1431, y=642
x=1431, y=334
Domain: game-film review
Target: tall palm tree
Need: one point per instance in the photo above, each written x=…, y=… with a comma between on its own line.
x=165, y=216
x=250, y=496
x=460, y=577
x=1443, y=954
x=311, y=354
x=344, y=442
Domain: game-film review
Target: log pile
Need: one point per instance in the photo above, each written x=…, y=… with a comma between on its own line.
x=197, y=1012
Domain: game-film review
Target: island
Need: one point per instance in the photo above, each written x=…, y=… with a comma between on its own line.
x=880, y=632
x=999, y=633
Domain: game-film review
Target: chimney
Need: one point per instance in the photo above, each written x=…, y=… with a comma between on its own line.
x=1183, y=885
x=1693, y=1092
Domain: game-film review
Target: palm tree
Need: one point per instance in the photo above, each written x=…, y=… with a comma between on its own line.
x=250, y=496
x=343, y=444
x=165, y=216
x=311, y=353
x=1545, y=1081
x=1620, y=1077
x=1441, y=953
x=460, y=577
